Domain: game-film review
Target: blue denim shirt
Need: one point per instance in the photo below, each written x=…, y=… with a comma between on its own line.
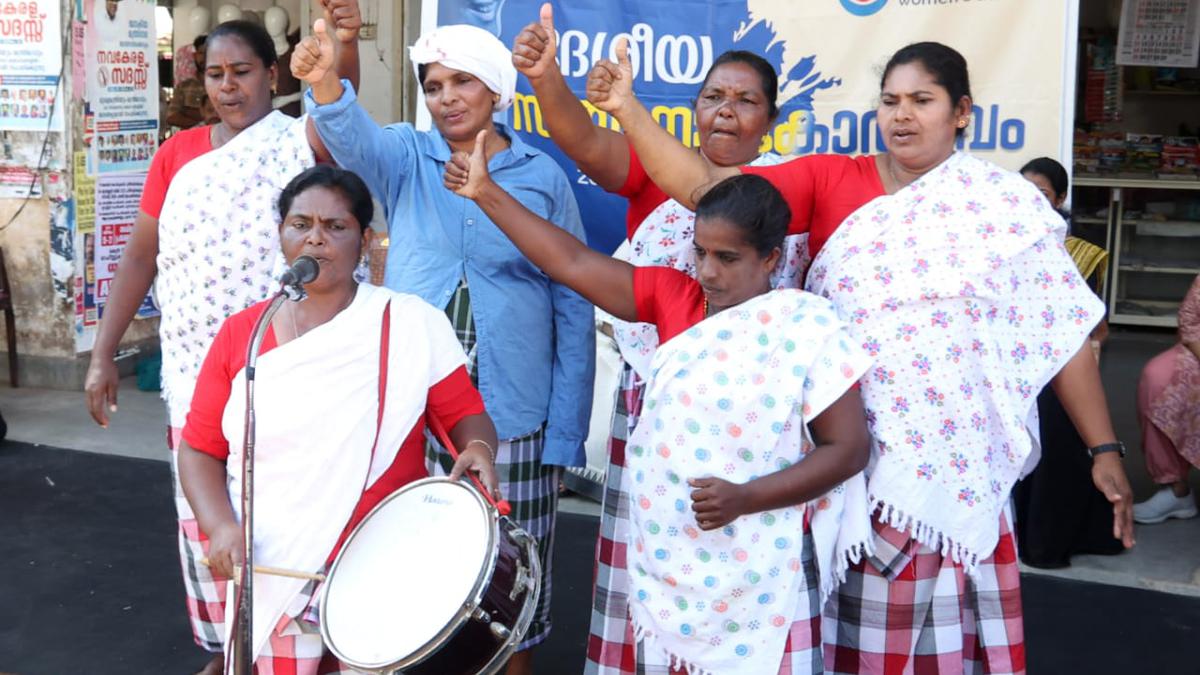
x=536, y=339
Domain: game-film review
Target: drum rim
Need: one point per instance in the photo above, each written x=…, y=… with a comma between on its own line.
x=473, y=600
x=529, y=605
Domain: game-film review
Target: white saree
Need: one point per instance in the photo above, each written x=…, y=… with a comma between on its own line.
x=961, y=288
x=218, y=244
x=317, y=405
x=731, y=397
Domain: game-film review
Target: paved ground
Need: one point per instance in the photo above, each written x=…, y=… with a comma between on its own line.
x=1167, y=557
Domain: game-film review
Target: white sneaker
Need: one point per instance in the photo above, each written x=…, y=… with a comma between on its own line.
x=1163, y=505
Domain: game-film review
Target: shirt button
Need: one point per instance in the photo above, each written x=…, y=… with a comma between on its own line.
x=470, y=221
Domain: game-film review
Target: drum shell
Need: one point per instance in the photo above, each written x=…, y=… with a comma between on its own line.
x=492, y=620
x=473, y=647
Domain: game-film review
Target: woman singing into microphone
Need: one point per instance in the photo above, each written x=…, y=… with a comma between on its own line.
x=341, y=418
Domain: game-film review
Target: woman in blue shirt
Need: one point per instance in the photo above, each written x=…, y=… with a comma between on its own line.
x=529, y=341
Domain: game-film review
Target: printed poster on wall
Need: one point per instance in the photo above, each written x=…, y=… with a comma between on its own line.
x=828, y=54
x=117, y=200
x=30, y=65
x=84, y=289
x=122, y=84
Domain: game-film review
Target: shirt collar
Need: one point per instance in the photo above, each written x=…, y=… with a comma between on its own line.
x=437, y=148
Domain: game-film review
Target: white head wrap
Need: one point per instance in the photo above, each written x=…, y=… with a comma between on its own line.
x=472, y=50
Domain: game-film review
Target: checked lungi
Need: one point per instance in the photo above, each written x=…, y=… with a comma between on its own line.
x=528, y=486
x=611, y=648
x=610, y=639
x=205, y=595
x=295, y=646
x=910, y=610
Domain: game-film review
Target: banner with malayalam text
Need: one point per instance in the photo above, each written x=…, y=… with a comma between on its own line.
x=829, y=55
x=30, y=65
x=122, y=84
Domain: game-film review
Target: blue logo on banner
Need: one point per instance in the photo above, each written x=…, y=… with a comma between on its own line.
x=863, y=7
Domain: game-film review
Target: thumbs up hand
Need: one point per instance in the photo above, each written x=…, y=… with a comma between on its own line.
x=610, y=85
x=534, y=50
x=345, y=17
x=467, y=174
x=312, y=59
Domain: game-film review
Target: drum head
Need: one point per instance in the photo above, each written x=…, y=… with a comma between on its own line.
x=406, y=572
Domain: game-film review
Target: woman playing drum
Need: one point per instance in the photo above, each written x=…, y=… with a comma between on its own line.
x=345, y=382
x=530, y=342
x=204, y=235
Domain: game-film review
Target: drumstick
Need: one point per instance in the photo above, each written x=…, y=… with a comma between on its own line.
x=277, y=571
x=438, y=430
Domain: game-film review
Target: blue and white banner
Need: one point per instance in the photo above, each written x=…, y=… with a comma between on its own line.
x=829, y=55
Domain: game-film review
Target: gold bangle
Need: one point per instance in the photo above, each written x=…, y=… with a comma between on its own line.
x=491, y=452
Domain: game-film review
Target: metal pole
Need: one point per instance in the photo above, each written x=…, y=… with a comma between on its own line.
x=242, y=653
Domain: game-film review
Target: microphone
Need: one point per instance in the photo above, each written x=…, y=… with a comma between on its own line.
x=303, y=271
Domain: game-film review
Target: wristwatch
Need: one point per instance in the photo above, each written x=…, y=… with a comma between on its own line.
x=1117, y=446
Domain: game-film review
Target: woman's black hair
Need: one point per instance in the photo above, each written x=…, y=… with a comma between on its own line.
x=199, y=41
x=767, y=76
x=945, y=64
x=1052, y=170
x=254, y=35
x=324, y=175
x=751, y=204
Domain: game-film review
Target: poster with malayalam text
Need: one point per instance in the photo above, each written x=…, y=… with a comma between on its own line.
x=30, y=65
x=122, y=84
x=116, y=210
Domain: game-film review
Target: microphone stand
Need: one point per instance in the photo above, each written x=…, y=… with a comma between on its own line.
x=243, y=629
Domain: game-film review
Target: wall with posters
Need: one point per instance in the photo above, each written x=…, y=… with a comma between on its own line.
x=828, y=53
x=45, y=192
x=33, y=183
x=120, y=135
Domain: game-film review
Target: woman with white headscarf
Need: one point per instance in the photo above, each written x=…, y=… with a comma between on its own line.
x=529, y=341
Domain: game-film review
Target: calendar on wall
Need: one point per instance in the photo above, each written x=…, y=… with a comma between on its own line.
x=1163, y=33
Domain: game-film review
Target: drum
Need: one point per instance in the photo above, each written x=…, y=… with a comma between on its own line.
x=433, y=581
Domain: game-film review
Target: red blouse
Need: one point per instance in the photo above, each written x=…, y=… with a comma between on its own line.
x=822, y=191
x=450, y=400
x=178, y=150
x=667, y=298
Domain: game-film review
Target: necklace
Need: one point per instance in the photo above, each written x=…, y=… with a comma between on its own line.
x=292, y=314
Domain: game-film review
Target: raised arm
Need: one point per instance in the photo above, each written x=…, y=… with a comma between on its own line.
x=604, y=281
x=380, y=156
x=600, y=153
x=681, y=173
x=346, y=19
